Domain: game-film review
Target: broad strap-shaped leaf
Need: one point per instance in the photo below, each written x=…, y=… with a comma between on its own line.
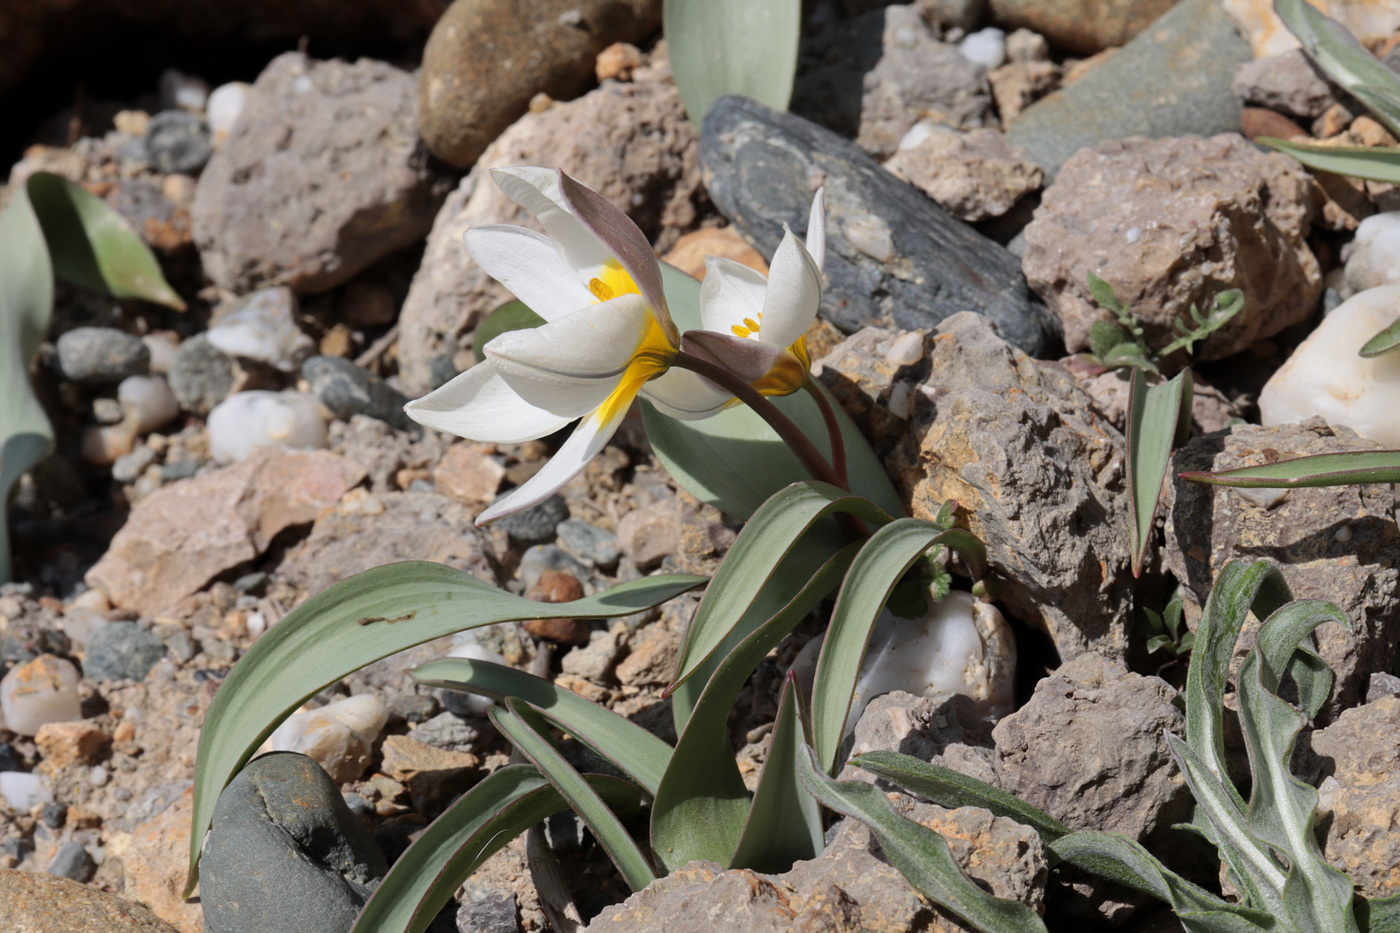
x=1282, y=809
x=356, y=622
x=26, y=303
x=1376, y=164
x=720, y=47
x=478, y=824
x=93, y=246
x=920, y=854
x=1344, y=59
x=1220, y=817
x=733, y=460
x=702, y=805
x=1125, y=862
x=1344, y=469
x=785, y=821
x=527, y=730
x=881, y=563
x=771, y=559
x=1158, y=418
x=631, y=749
x=952, y=789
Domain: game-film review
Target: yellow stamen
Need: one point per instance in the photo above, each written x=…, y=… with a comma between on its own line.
x=739, y=330
x=612, y=281
x=651, y=358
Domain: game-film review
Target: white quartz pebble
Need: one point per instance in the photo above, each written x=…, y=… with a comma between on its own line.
x=338, y=736
x=147, y=403
x=162, y=345
x=40, y=691
x=962, y=645
x=1326, y=378
x=247, y=420
x=23, y=790
x=986, y=47
x=263, y=328
x=1375, y=254
x=187, y=92
x=223, y=107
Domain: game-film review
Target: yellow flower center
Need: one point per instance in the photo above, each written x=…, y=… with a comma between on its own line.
x=651, y=358
x=789, y=373
x=613, y=281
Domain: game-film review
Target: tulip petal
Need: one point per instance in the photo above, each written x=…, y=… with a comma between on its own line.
x=479, y=405
x=794, y=293
x=588, y=438
x=620, y=234
x=816, y=229
x=529, y=264
x=684, y=395
x=571, y=365
x=750, y=360
x=537, y=190
x=731, y=294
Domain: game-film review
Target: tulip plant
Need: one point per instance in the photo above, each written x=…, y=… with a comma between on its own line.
x=723, y=374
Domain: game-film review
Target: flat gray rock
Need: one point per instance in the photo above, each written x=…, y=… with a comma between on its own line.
x=893, y=257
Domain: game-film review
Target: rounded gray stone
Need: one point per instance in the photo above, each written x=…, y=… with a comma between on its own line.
x=201, y=375
x=121, y=651
x=348, y=390
x=178, y=142
x=92, y=356
x=537, y=524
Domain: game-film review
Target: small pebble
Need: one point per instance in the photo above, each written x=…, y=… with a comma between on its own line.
x=986, y=47
x=177, y=142
x=537, y=524
x=53, y=815
x=449, y=731
x=23, y=791
x=9, y=758
x=348, y=390
x=201, y=375
x=338, y=736
x=162, y=346
x=122, y=651
x=1375, y=253
x=262, y=327
x=250, y=419
x=93, y=356
x=73, y=861
x=590, y=543
x=40, y=691
x=252, y=583
x=99, y=776
x=543, y=557
x=186, y=92
x=147, y=403
x=107, y=410
x=225, y=104
x=104, y=446
x=178, y=470
x=130, y=466
x=358, y=803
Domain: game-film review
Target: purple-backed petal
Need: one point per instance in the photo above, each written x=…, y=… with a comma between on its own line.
x=750, y=360
x=626, y=241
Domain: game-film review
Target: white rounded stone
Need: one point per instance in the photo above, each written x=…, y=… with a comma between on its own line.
x=1324, y=377
x=962, y=645
x=986, y=47
x=147, y=403
x=1375, y=254
x=40, y=691
x=101, y=445
x=162, y=345
x=338, y=736
x=263, y=328
x=182, y=91
x=223, y=108
x=24, y=791
x=247, y=420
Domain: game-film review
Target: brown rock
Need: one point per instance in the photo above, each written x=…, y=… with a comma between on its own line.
x=691, y=250
x=557, y=586
x=617, y=62
x=181, y=536
x=1257, y=121
x=1171, y=223
x=1360, y=798
x=1037, y=475
x=469, y=474
x=1081, y=26
x=485, y=60
x=623, y=140
x=973, y=176
x=67, y=743
x=1334, y=543
x=400, y=526
x=653, y=656
x=432, y=775
x=155, y=862
x=649, y=534
x=1017, y=85
x=317, y=179
x=36, y=902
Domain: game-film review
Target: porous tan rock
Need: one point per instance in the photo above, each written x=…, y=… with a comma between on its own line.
x=973, y=176
x=1335, y=543
x=37, y=902
x=156, y=858
x=486, y=59
x=66, y=743
x=469, y=474
x=180, y=537
x=1171, y=223
x=1080, y=26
